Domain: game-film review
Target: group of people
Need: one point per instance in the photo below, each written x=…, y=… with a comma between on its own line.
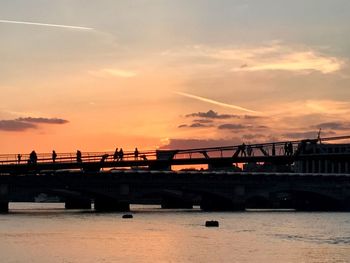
x=33, y=157
x=288, y=148
x=117, y=156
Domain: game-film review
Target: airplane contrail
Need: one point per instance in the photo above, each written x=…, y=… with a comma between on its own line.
x=44, y=24
x=215, y=102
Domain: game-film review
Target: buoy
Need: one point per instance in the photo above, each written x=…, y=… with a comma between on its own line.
x=212, y=223
x=127, y=216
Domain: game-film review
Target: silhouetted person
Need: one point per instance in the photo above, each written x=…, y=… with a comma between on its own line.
x=104, y=157
x=121, y=154
x=79, y=160
x=249, y=150
x=290, y=148
x=273, y=149
x=33, y=158
x=54, y=156
x=116, y=155
x=19, y=157
x=136, y=153
x=243, y=147
x=286, y=150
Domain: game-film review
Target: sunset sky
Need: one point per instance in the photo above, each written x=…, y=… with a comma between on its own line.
x=95, y=75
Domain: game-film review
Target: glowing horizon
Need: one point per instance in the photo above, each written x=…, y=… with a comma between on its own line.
x=171, y=73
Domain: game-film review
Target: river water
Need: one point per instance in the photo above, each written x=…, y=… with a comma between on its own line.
x=48, y=233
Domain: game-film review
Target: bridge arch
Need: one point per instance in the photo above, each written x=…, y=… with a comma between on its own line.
x=305, y=199
x=258, y=202
x=171, y=199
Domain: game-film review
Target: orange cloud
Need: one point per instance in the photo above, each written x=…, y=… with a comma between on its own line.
x=114, y=72
x=274, y=56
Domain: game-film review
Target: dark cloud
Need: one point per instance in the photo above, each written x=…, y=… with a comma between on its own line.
x=212, y=115
x=15, y=125
x=253, y=136
x=198, y=143
x=215, y=115
x=301, y=135
x=198, y=125
x=22, y=124
x=203, y=121
x=230, y=126
x=252, y=117
x=43, y=120
x=341, y=126
x=194, y=125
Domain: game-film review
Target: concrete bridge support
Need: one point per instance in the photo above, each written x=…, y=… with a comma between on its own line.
x=315, y=202
x=4, y=206
x=217, y=204
x=77, y=203
x=4, y=203
x=169, y=202
x=105, y=204
x=221, y=165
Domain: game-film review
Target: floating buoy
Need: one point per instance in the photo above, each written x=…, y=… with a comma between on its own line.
x=212, y=223
x=127, y=216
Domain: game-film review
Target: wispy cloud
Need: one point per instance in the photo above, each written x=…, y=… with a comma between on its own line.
x=15, y=125
x=22, y=124
x=334, y=126
x=43, y=120
x=272, y=56
x=295, y=61
x=115, y=72
x=210, y=114
x=231, y=106
x=45, y=24
x=120, y=73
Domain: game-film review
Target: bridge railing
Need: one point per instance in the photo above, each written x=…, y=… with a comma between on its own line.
x=108, y=156
x=282, y=148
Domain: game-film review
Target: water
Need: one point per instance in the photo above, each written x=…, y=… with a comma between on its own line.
x=48, y=233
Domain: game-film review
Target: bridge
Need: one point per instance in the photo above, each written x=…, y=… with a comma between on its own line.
x=303, y=175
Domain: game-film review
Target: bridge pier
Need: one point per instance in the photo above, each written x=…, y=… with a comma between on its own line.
x=4, y=206
x=77, y=203
x=111, y=205
x=221, y=165
x=315, y=202
x=220, y=205
x=176, y=203
x=4, y=203
x=216, y=202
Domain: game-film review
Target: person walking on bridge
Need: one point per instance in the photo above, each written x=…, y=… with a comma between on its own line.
x=121, y=154
x=290, y=148
x=79, y=160
x=33, y=158
x=19, y=157
x=104, y=157
x=116, y=155
x=243, y=150
x=136, y=153
x=54, y=156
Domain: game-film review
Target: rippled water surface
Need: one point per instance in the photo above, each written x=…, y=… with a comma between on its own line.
x=48, y=233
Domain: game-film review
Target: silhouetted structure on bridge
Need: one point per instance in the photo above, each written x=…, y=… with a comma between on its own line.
x=295, y=174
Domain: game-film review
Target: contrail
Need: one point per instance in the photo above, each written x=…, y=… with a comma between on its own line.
x=215, y=102
x=44, y=24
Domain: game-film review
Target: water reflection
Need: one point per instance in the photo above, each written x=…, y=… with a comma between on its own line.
x=48, y=233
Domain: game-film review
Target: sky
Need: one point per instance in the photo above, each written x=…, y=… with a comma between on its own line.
x=95, y=75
